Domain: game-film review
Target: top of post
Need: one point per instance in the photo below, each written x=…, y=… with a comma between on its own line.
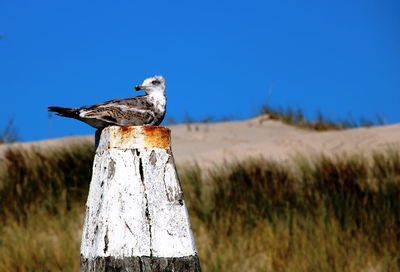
x=132, y=137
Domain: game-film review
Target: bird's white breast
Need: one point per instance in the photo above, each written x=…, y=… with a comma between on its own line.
x=159, y=101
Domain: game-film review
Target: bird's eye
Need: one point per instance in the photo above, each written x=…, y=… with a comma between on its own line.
x=156, y=82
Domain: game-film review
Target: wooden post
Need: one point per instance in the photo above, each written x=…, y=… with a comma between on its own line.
x=136, y=217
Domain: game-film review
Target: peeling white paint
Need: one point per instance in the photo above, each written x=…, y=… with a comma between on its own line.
x=135, y=206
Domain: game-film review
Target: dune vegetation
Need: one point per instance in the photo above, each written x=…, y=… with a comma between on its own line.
x=312, y=214
x=296, y=117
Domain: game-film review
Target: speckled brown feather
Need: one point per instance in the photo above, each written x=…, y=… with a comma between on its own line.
x=147, y=110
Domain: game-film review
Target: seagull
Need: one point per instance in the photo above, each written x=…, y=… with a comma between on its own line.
x=144, y=110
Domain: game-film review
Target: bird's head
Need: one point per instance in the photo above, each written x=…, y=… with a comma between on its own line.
x=152, y=85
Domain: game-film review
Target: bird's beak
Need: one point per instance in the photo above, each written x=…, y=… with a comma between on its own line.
x=138, y=87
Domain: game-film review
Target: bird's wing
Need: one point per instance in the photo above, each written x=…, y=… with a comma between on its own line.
x=137, y=102
x=126, y=111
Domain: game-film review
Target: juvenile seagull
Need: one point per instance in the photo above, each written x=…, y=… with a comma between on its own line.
x=145, y=110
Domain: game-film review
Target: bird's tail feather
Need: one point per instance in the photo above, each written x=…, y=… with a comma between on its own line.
x=67, y=112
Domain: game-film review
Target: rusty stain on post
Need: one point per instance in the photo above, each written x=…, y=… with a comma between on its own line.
x=133, y=137
x=157, y=137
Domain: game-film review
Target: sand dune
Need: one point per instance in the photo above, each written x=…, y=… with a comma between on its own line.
x=215, y=142
x=218, y=141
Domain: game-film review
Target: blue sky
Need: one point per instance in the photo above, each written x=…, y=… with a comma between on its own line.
x=341, y=57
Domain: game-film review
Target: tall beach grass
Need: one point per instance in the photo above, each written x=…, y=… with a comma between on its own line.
x=314, y=214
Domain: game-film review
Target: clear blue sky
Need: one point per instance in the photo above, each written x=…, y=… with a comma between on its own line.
x=342, y=57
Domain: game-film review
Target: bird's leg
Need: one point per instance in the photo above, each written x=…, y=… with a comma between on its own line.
x=97, y=138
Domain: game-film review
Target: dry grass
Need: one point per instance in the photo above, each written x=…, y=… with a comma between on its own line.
x=42, y=242
x=323, y=214
x=48, y=179
x=9, y=133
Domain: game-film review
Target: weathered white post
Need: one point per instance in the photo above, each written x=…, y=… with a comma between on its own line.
x=136, y=217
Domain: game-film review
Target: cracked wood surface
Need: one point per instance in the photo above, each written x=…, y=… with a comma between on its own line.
x=135, y=209
x=141, y=264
